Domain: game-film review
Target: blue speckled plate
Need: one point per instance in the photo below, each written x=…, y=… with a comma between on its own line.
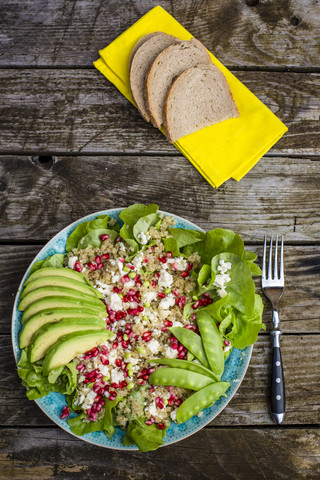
x=235, y=368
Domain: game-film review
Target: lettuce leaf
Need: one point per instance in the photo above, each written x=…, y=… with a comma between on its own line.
x=171, y=245
x=92, y=239
x=39, y=385
x=186, y=237
x=55, y=260
x=143, y=225
x=103, y=222
x=241, y=286
x=214, y=242
x=132, y=214
x=135, y=222
x=146, y=437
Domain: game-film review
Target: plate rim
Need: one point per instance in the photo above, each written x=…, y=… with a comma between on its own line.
x=66, y=428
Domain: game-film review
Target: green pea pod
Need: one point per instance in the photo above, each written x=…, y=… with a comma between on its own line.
x=179, y=378
x=185, y=365
x=202, y=399
x=192, y=342
x=212, y=342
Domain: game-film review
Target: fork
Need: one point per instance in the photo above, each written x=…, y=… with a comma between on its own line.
x=273, y=286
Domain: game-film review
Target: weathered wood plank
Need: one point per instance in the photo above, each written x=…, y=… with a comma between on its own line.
x=279, y=195
x=299, y=306
x=80, y=111
x=215, y=454
x=250, y=405
x=240, y=33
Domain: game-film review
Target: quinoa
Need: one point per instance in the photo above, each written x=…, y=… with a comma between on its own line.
x=144, y=295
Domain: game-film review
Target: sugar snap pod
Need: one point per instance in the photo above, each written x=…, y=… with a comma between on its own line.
x=212, y=342
x=179, y=378
x=192, y=342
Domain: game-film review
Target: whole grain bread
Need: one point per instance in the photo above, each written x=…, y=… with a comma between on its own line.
x=142, y=57
x=170, y=63
x=198, y=98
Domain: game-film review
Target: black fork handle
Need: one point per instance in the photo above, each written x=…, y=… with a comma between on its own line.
x=278, y=396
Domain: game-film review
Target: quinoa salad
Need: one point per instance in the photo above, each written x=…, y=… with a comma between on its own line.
x=134, y=323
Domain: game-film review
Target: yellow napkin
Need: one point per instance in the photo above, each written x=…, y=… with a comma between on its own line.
x=227, y=149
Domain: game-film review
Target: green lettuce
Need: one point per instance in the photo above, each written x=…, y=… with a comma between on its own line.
x=102, y=223
x=186, y=237
x=146, y=437
x=55, y=260
x=38, y=385
x=137, y=219
x=132, y=214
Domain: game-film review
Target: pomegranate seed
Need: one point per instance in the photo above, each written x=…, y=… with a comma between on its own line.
x=164, y=329
x=118, y=239
x=77, y=267
x=95, y=351
x=195, y=305
x=226, y=342
x=123, y=384
x=100, y=266
x=119, y=315
x=128, y=326
x=181, y=354
x=161, y=295
x=151, y=370
x=104, y=237
x=115, y=289
x=190, y=327
x=80, y=366
x=98, y=407
x=92, y=266
x=178, y=402
x=125, y=344
x=115, y=345
x=125, y=279
x=97, y=259
x=118, y=362
x=104, y=360
x=167, y=323
x=140, y=308
x=174, y=346
x=146, y=260
x=169, y=254
x=105, y=256
x=157, y=274
x=104, y=350
x=185, y=274
x=175, y=292
x=207, y=295
x=162, y=260
x=153, y=284
x=131, y=291
x=180, y=348
x=65, y=412
x=160, y=426
x=174, y=266
x=114, y=385
x=142, y=382
x=148, y=422
x=189, y=266
x=121, y=259
x=125, y=299
x=194, y=317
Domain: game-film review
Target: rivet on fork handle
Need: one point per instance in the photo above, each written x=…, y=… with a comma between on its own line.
x=278, y=399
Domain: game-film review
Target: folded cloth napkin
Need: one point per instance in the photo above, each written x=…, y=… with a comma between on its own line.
x=227, y=149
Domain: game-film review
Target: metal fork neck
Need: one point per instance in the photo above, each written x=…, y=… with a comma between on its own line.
x=275, y=317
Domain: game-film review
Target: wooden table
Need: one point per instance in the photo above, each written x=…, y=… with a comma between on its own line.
x=70, y=144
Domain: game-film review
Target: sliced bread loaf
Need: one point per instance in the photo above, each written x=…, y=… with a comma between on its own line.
x=170, y=63
x=141, y=59
x=198, y=98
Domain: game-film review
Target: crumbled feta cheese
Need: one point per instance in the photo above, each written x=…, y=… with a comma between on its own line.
x=153, y=346
x=153, y=409
x=177, y=324
x=165, y=279
x=150, y=296
x=112, y=356
x=173, y=415
x=223, y=278
x=137, y=261
x=144, y=238
x=122, y=247
x=223, y=266
x=117, y=375
x=167, y=302
x=115, y=302
x=130, y=284
x=112, y=262
x=72, y=261
x=179, y=263
x=115, y=277
x=104, y=288
x=170, y=352
x=120, y=266
x=156, y=333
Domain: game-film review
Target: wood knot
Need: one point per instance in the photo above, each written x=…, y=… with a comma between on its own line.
x=252, y=3
x=294, y=21
x=3, y=186
x=45, y=162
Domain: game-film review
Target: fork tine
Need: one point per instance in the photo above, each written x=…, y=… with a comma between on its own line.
x=264, y=258
x=275, y=270
x=281, y=260
x=270, y=260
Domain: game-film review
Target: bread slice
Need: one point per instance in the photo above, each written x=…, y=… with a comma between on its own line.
x=199, y=97
x=142, y=57
x=170, y=63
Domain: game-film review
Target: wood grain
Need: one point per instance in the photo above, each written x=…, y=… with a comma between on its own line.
x=279, y=195
x=215, y=454
x=241, y=33
x=299, y=306
x=250, y=405
x=78, y=110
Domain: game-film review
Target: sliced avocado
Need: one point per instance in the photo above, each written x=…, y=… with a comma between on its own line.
x=47, y=335
x=56, y=281
x=56, y=314
x=60, y=272
x=71, y=345
x=45, y=292
x=48, y=316
x=62, y=302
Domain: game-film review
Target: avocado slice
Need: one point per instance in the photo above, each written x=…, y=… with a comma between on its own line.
x=56, y=281
x=62, y=302
x=47, y=335
x=71, y=345
x=51, y=316
x=61, y=272
x=45, y=292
